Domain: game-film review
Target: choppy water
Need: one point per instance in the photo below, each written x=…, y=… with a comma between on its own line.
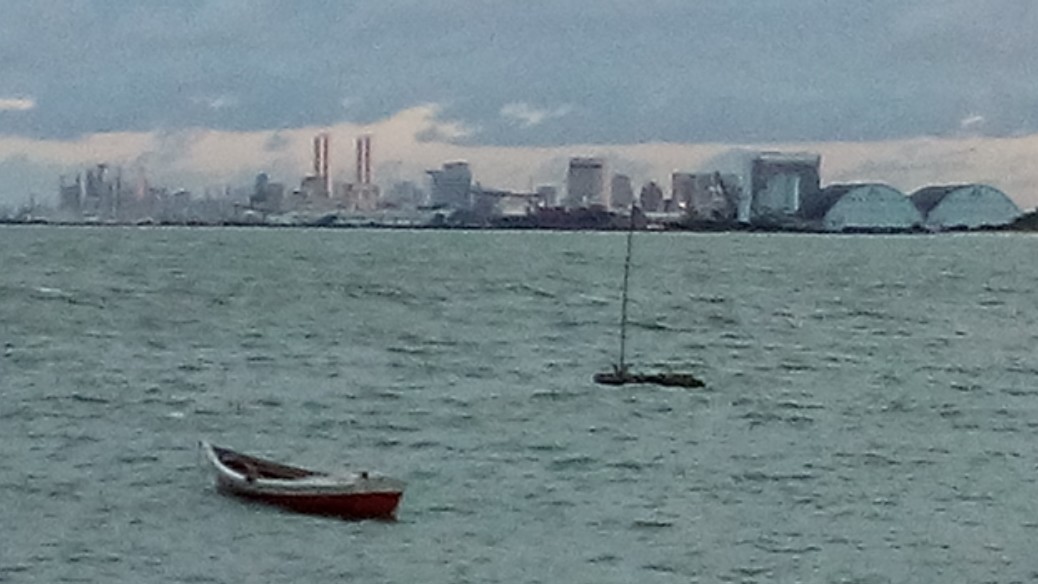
x=870, y=417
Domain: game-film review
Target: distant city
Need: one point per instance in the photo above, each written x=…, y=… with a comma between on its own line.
x=766, y=190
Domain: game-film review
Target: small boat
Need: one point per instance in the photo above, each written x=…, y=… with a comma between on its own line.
x=621, y=373
x=360, y=495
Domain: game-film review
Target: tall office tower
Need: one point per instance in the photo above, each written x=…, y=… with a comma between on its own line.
x=621, y=194
x=585, y=183
x=779, y=182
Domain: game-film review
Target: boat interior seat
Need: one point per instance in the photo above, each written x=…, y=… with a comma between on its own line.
x=256, y=468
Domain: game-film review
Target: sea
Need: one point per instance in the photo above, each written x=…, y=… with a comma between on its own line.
x=870, y=413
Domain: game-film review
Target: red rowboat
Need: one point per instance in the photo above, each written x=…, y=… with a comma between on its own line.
x=354, y=496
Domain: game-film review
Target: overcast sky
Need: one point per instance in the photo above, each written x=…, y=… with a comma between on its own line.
x=531, y=73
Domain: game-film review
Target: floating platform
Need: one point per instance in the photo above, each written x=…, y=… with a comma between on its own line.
x=621, y=376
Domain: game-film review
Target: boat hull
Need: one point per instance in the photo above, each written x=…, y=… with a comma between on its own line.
x=623, y=377
x=610, y=378
x=378, y=505
x=358, y=496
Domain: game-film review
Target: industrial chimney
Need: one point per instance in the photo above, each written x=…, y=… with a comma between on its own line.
x=364, y=160
x=322, y=145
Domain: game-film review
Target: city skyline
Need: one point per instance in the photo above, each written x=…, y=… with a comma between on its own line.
x=214, y=91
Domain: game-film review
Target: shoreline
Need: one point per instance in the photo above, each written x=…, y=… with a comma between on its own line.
x=1024, y=225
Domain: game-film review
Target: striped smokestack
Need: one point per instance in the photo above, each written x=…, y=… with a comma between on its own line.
x=367, y=160
x=363, y=167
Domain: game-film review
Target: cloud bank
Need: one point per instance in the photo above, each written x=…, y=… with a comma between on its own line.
x=414, y=140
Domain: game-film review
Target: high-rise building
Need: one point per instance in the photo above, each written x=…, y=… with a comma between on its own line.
x=621, y=193
x=706, y=196
x=651, y=197
x=452, y=186
x=682, y=188
x=267, y=196
x=71, y=196
x=99, y=193
x=779, y=182
x=585, y=183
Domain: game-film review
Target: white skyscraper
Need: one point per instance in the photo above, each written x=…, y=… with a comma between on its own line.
x=585, y=183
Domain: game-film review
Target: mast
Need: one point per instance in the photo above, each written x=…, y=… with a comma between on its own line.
x=623, y=302
x=619, y=375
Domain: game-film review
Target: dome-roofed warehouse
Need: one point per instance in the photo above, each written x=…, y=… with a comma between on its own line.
x=861, y=207
x=964, y=206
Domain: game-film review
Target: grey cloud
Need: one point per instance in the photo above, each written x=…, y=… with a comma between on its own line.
x=748, y=71
x=277, y=142
x=437, y=134
x=171, y=148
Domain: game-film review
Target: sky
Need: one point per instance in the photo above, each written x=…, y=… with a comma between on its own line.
x=199, y=93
